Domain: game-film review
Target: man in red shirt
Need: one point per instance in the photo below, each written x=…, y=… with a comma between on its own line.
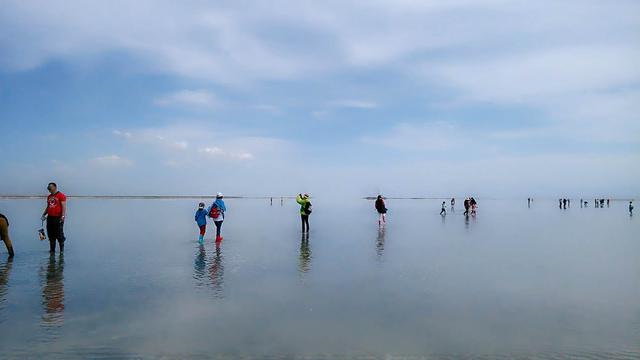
x=55, y=213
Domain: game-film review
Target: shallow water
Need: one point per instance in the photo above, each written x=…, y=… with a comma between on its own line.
x=511, y=282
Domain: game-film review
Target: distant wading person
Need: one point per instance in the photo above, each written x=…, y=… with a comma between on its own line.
x=381, y=208
x=305, y=211
x=443, y=210
x=466, y=206
x=217, y=212
x=201, y=221
x=474, y=205
x=55, y=213
x=630, y=207
x=453, y=204
x=4, y=234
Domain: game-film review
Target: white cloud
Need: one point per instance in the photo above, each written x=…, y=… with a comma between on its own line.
x=111, y=161
x=539, y=76
x=585, y=91
x=355, y=104
x=193, y=98
x=218, y=152
x=232, y=43
x=180, y=145
x=153, y=137
x=124, y=134
x=421, y=137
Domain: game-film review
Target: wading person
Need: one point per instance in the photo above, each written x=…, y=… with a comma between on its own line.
x=217, y=212
x=630, y=207
x=201, y=221
x=466, y=207
x=305, y=211
x=55, y=213
x=453, y=204
x=4, y=234
x=473, y=204
x=443, y=210
x=381, y=208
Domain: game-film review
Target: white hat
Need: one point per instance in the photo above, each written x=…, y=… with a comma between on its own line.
x=219, y=195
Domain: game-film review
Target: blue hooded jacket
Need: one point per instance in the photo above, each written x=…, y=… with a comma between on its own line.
x=201, y=217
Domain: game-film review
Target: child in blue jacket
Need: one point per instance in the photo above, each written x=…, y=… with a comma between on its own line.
x=201, y=220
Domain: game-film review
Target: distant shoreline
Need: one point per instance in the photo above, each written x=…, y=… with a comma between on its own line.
x=196, y=197
x=141, y=197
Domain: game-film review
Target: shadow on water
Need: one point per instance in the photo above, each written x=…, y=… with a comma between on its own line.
x=211, y=276
x=5, y=270
x=380, y=239
x=304, y=258
x=52, y=282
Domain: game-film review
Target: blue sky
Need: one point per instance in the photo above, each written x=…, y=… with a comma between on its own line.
x=495, y=98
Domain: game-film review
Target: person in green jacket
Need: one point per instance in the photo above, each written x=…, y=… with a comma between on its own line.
x=305, y=211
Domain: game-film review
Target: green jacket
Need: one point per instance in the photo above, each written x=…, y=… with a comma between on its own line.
x=303, y=203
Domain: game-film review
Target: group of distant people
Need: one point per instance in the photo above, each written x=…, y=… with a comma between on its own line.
x=563, y=203
x=598, y=203
x=55, y=213
x=470, y=206
x=218, y=209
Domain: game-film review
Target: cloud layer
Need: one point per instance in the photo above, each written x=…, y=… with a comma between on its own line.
x=331, y=89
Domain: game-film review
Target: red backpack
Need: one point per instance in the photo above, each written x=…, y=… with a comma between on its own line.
x=214, y=212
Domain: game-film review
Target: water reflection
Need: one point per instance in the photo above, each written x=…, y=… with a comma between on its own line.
x=5, y=270
x=53, y=293
x=211, y=276
x=200, y=267
x=380, y=242
x=304, y=258
x=216, y=272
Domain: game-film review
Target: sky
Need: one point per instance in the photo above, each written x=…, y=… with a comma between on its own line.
x=334, y=98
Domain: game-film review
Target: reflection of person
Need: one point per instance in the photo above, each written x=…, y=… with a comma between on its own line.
x=304, y=261
x=4, y=234
x=53, y=290
x=380, y=242
x=216, y=271
x=199, y=266
x=55, y=213
x=4, y=279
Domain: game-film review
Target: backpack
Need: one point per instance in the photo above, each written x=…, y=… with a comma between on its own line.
x=214, y=212
x=307, y=208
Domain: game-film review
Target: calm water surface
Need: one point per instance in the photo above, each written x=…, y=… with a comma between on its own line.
x=511, y=282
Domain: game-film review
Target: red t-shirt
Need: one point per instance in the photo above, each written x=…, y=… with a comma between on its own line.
x=54, y=201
